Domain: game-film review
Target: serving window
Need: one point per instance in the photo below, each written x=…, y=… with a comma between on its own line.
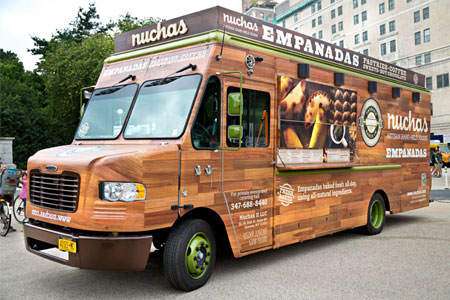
x=317, y=124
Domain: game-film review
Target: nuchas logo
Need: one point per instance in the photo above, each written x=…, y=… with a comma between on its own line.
x=403, y=123
x=161, y=32
x=240, y=22
x=371, y=122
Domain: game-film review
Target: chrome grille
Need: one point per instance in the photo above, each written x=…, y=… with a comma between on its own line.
x=57, y=192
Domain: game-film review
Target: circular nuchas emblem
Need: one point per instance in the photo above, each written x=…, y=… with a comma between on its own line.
x=371, y=122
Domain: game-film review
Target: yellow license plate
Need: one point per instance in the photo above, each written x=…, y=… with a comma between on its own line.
x=67, y=244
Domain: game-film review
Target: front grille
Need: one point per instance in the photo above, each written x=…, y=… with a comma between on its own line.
x=57, y=192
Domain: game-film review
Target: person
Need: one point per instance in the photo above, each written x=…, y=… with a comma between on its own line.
x=432, y=169
x=437, y=163
x=23, y=192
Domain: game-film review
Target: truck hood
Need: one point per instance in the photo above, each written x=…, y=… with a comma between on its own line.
x=81, y=158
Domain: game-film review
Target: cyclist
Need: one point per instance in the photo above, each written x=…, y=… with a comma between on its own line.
x=23, y=192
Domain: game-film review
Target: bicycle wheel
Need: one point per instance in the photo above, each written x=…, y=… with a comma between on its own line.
x=5, y=219
x=19, y=209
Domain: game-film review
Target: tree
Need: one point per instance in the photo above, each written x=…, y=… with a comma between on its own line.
x=21, y=112
x=66, y=69
x=127, y=23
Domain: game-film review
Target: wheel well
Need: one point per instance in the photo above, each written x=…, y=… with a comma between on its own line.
x=213, y=219
x=385, y=198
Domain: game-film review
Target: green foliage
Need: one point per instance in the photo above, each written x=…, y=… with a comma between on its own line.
x=127, y=23
x=67, y=69
x=42, y=108
x=21, y=112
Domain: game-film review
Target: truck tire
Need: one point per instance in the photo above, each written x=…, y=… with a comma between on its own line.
x=189, y=255
x=376, y=215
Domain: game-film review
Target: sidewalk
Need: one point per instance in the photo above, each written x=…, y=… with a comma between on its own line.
x=438, y=191
x=438, y=183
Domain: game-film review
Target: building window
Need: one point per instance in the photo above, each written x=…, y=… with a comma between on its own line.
x=313, y=23
x=333, y=28
x=364, y=15
x=442, y=80
x=391, y=4
x=426, y=13
x=363, y=2
x=319, y=20
x=319, y=5
x=429, y=83
x=341, y=43
x=382, y=29
x=333, y=13
x=296, y=18
x=393, y=46
x=417, y=16
x=331, y=1
x=284, y=23
x=261, y=15
x=426, y=35
x=392, y=26
x=383, y=49
x=340, y=26
x=296, y=29
x=366, y=51
x=320, y=34
x=355, y=3
x=427, y=57
x=356, y=39
x=418, y=60
x=355, y=19
x=417, y=38
x=314, y=35
x=313, y=8
x=381, y=8
x=340, y=10
x=364, y=36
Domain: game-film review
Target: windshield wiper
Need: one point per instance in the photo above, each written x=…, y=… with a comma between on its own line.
x=166, y=80
x=161, y=81
x=133, y=77
x=109, y=91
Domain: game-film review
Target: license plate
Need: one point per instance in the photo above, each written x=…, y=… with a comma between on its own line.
x=67, y=244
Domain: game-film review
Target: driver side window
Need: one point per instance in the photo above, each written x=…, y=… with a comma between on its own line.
x=205, y=133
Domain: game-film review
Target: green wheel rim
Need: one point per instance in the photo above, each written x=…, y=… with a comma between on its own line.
x=376, y=214
x=198, y=255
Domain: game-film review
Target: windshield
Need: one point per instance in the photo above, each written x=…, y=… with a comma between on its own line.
x=106, y=112
x=444, y=149
x=162, y=107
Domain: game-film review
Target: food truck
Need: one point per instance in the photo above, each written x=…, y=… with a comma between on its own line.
x=215, y=129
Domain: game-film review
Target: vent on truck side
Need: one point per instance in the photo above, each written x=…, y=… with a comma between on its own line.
x=56, y=192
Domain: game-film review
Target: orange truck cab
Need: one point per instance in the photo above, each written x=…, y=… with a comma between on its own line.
x=219, y=129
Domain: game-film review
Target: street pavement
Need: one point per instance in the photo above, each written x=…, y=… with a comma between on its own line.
x=410, y=259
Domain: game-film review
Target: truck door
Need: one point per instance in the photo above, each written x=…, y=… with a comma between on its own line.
x=248, y=171
x=200, y=176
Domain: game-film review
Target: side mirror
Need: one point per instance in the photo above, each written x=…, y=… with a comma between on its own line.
x=86, y=95
x=234, y=132
x=234, y=104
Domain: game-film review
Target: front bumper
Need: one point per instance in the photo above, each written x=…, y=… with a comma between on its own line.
x=124, y=253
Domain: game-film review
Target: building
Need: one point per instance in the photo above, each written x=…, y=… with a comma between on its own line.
x=409, y=33
x=261, y=9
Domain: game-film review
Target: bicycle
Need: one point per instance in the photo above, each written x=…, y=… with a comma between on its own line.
x=19, y=209
x=5, y=217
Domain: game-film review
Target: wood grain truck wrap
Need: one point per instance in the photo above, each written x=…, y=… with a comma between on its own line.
x=216, y=129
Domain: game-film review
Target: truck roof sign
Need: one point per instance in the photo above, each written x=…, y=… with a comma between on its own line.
x=219, y=18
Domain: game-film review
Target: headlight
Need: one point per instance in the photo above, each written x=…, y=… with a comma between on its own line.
x=122, y=191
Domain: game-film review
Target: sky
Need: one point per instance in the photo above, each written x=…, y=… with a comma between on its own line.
x=22, y=19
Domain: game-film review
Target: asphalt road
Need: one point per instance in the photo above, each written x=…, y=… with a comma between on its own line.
x=410, y=259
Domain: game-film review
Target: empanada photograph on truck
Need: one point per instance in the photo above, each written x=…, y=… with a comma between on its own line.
x=316, y=116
